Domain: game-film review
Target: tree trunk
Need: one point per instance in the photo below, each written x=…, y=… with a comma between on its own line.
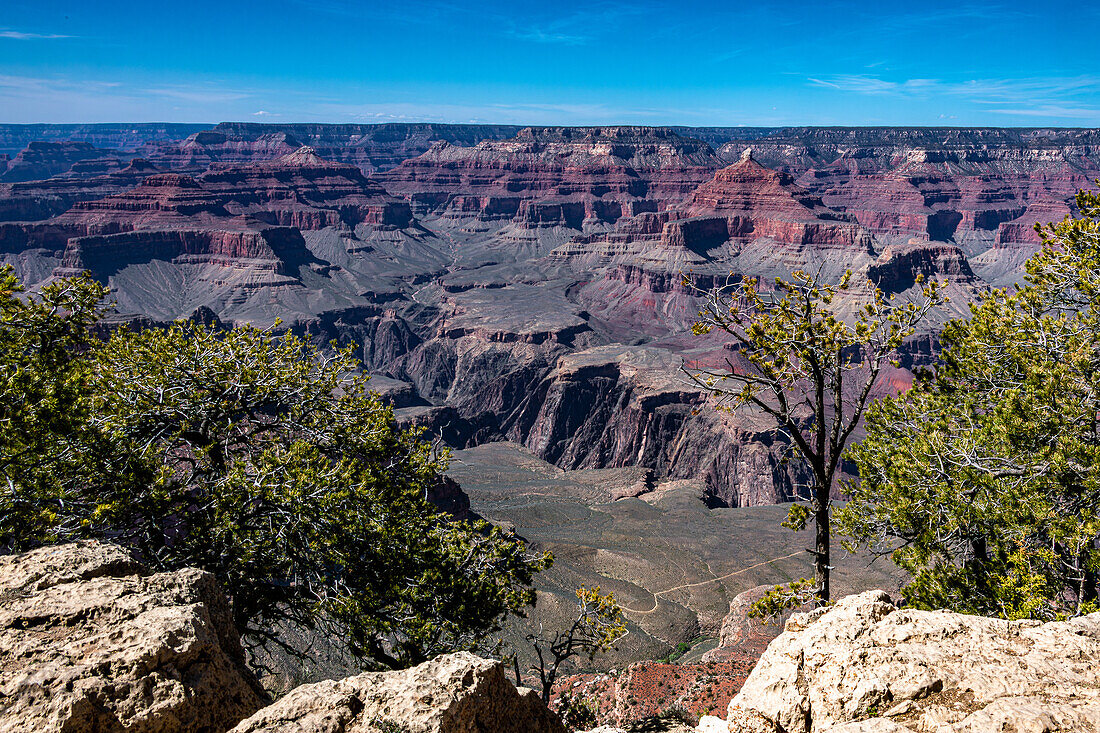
x=821, y=549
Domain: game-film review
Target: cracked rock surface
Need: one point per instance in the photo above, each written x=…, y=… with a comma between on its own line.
x=453, y=693
x=866, y=666
x=90, y=641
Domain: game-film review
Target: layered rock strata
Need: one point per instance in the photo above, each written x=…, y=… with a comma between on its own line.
x=571, y=177
x=44, y=159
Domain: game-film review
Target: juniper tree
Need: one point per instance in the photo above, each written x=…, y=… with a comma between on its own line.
x=257, y=457
x=983, y=481
x=595, y=628
x=812, y=372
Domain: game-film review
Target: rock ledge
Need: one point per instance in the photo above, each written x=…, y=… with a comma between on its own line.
x=865, y=665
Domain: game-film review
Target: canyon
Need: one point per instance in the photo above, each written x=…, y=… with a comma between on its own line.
x=527, y=284
x=525, y=294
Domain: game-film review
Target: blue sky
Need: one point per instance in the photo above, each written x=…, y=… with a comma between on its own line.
x=597, y=62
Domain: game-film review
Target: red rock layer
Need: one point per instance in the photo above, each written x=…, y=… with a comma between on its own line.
x=648, y=689
x=302, y=190
x=44, y=159
x=556, y=176
x=36, y=200
x=940, y=195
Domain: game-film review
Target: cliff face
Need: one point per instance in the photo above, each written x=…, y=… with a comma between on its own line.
x=36, y=200
x=44, y=159
x=302, y=190
x=556, y=176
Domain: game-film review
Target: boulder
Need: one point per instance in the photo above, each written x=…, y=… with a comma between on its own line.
x=90, y=640
x=453, y=693
x=865, y=665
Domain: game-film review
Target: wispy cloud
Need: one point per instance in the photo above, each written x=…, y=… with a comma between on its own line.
x=1051, y=110
x=988, y=91
x=577, y=27
x=867, y=84
x=539, y=35
x=27, y=36
x=198, y=95
x=1047, y=97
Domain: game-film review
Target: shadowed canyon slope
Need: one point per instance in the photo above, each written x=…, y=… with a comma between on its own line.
x=527, y=284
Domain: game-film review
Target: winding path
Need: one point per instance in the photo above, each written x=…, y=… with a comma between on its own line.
x=656, y=595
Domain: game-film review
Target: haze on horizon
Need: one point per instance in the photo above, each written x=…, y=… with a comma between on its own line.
x=647, y=62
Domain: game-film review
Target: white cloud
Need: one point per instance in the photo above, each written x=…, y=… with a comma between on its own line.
x=25, y=36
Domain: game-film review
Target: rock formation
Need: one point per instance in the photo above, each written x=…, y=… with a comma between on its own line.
x=570, y=177
x=44, y=159
x=455, y=693
x=35, y=200
x=866, y=665
x=300, y=189
x=368, y=147
x=92, y=641
x=743, y=636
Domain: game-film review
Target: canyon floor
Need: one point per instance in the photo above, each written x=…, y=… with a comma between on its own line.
x=673, y=563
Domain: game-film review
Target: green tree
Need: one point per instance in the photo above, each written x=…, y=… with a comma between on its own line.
x=45, y=396
x=599, y=623
x=983, y=481
x=811, y=372
x=270, y=464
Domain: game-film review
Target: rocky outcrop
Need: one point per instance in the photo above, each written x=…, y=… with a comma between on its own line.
x=301, y=189
x=92, y=641
x=629, y=406
x=567, y=176
x=44, y=159
x=759, y=202
x=866, y=665
x=455, y=693
x=900, y=265
x=743, y=636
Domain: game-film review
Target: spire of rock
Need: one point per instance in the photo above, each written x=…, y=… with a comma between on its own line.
x=746, y=155
x=303, y=156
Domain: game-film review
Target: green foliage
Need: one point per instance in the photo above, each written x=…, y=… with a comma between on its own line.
x=678, y=651
x=576, y=713
x=797, y=516
x=261, y=460
x=45, y=402
x=807, y=368
x=983, y=481
x=782, y=598
x=599, y=623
